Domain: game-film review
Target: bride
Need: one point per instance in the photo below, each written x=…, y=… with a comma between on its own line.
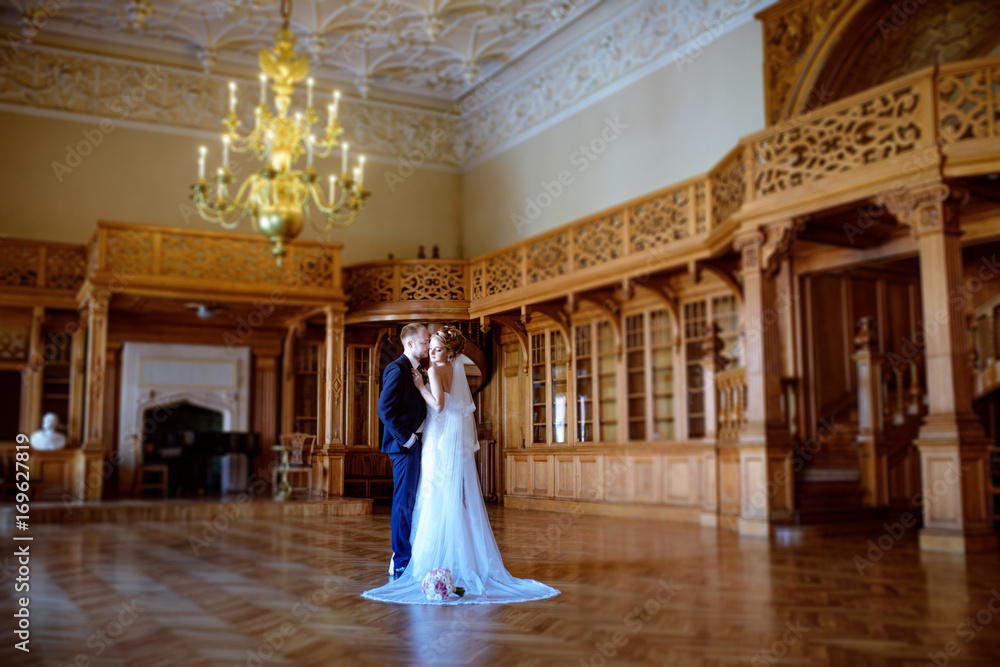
x=450, y=526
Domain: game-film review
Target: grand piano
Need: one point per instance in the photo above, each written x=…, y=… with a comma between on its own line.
x=207, y=462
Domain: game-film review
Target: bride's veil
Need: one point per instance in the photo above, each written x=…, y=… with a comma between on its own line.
x=461, y=393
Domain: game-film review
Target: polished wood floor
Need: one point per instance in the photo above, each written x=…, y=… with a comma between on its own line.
x=285, y=591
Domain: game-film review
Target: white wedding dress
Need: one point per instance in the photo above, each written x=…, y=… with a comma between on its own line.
x=450, y=526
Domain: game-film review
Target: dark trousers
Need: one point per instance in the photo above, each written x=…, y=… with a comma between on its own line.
x=405, y=479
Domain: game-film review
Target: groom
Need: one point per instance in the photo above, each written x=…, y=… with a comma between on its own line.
x=402, y=410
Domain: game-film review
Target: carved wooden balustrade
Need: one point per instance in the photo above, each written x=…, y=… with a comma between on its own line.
x=165, y=260
x=986, y=337
x=902, y=133
x=29, y=267
x=635, y=238
x=731, y=388
x=408, y=289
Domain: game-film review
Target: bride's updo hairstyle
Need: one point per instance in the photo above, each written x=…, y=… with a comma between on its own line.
x=451, y=339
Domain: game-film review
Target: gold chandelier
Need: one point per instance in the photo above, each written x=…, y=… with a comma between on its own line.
x=277, y=198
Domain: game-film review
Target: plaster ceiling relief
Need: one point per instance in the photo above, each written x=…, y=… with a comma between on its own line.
x=432, y=48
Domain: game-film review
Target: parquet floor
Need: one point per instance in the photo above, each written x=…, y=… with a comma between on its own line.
x=285, y=592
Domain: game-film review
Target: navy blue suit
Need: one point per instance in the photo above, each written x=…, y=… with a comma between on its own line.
x=402, y=410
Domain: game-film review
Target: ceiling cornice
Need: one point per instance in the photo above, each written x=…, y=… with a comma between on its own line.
x=579, y=69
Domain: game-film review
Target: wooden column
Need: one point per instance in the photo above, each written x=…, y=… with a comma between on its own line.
x=31, y=376
x=77, y=384
x=954, y=458
x=97, y=342
x=868, y=368
x=765, y=447
x=288, y=380
x=712, y=362
x=328, y=465
x=265, y=409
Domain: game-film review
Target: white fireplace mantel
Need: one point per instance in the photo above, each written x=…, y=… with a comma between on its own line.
x=214, y=377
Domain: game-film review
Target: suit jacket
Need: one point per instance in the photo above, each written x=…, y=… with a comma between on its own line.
x=400, y=406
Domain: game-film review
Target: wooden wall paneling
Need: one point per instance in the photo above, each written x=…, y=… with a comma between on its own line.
x=709, y=481
x=542, y=475
x=680, y=482
x=519, y=470
x=646, y=482
x=829, y=339
x=591, y=476
x=566, y=485
x=264, y=416
x=616, y=477
x=729, y=481
x=848, y=323
x=799, y=343
x=810, y=366
x=898, y=317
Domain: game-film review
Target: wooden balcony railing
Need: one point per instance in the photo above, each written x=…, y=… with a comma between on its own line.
x=140, y=255
x=41, y=265
x=893, y=135
x=414, y=288
x=731, y=388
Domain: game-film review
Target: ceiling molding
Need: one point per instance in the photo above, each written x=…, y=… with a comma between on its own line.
x=119, y=92
x=585, y=60
x=653, y=35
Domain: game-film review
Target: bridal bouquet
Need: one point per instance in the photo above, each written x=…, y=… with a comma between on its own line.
x=438, y=584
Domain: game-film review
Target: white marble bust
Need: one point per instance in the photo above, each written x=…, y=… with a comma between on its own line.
x=48, y=438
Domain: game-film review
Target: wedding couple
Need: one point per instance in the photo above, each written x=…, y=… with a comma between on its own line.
x=438, y=515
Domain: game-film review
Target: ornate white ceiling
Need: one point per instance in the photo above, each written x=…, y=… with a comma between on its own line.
x=436, y=48
x=450, y=83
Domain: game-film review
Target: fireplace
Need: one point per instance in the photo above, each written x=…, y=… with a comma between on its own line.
x=159, y=378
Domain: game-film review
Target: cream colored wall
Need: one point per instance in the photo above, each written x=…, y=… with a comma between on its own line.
x=141, y=176
x=675, y=123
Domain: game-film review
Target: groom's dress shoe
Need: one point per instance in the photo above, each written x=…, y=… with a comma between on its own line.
x=398, y=573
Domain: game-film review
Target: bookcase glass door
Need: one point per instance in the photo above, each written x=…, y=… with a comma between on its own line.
x=662, y=368
x=307, y=372
x=538, y=389
x=559, y=373
x=695, y=319
x=607, y=381
x=583, y=359
x=359, y=416
x=635, y=375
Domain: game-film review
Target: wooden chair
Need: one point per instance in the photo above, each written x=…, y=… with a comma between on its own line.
x=140, y=480
x=299, y=447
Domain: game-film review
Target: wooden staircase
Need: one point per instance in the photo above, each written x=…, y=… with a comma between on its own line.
x=828, y=485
